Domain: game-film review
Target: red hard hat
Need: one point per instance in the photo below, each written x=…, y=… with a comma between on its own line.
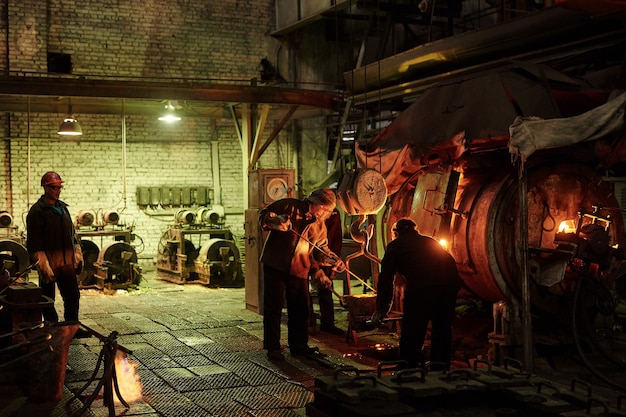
x=51, y=178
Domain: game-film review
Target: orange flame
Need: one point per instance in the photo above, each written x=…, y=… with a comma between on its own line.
x=567, y=226
x=127, y=379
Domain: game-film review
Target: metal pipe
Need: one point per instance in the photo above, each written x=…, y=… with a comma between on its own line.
x=527, y=33
x=124, y=195
x=526, y=317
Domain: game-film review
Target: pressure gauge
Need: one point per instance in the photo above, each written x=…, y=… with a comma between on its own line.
x=276, y=188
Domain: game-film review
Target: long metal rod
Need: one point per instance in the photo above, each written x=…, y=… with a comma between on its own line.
x=320, y=249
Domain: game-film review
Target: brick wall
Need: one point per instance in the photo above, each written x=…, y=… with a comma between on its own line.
x=151, y=39
x=94, y=170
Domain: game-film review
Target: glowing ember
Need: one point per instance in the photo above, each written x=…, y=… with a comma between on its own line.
x=127, y=379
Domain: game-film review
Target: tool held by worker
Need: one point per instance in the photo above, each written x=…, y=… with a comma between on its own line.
x=320, y=249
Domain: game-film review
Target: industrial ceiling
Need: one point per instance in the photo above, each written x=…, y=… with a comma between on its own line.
x=567, y=37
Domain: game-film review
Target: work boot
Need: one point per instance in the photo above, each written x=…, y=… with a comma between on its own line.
x=82, y=334
x=309, y=350
x=331, y=329
x=275, y=355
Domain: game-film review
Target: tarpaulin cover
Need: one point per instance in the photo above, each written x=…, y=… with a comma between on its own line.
x=438, y=126
x=529, y=134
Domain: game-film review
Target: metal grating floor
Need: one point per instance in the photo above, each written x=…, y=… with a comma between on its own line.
x=198, y=352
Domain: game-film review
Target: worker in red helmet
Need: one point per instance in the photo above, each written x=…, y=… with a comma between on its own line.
x=51, y=241
x=297, y=242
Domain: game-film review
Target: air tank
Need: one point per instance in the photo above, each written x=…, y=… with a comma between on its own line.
x=483, y=231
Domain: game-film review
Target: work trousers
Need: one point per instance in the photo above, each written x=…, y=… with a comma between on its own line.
x=67, y=282
x=435, y=304
x=278, y=287
x=327, y=308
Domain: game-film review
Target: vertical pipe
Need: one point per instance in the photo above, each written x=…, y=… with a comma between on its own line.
x=7, y=39
x=245, y=151
x=215, y=169
x=124, y=152
x=523, y=233
x=27, y=157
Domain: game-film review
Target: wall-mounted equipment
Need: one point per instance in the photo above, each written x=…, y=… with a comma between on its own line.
x=173, y=196
x=110, y=217
x=85, y=218
x=213, y=215
x=185, y=217
x=268, y=185
x=143, y=196
x=5, y=219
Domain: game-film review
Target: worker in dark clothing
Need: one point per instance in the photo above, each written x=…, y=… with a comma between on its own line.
x=432, y=284
x=296, y=243
x=52, y=242
x=324, y=289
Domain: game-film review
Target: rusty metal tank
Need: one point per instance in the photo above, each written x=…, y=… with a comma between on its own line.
x=475, y=207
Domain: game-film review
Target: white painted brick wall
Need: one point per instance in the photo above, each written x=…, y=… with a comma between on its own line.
x=158, y=40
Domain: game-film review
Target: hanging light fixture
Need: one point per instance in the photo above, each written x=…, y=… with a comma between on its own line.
x=170, y=114
x=70, y=126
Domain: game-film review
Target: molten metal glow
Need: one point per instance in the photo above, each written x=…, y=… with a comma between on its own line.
x=127, y=379
x=567, y=226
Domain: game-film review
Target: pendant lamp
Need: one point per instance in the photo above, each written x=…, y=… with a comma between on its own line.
x=70, y=126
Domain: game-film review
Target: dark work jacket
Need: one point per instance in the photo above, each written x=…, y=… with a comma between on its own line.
x=334, y=232
x=51, y=232
x=286, y=251
x=421, y=260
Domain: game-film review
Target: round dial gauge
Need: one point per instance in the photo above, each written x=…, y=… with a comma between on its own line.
x=276, y=189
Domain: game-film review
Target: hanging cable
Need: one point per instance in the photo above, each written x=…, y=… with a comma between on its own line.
x=28, y=179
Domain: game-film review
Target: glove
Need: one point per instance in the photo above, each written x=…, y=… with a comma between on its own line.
x=335, y=261
x=339, y=266
x=377, y=317
x=78, y=259
x=281, y=222
x=322, y=280
x=44, y=267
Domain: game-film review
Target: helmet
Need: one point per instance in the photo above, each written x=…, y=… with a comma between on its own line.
x=404, y=225
x=51, y=178
x=323, y=197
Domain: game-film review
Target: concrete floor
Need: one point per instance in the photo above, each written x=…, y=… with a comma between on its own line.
x=198, y=352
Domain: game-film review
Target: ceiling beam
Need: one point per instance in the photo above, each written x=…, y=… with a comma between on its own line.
x=90, y=96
